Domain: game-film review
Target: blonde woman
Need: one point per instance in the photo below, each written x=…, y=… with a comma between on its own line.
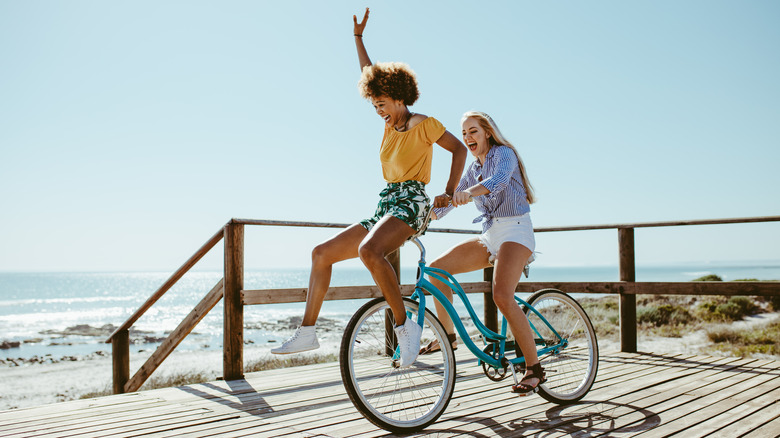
x=498, y=183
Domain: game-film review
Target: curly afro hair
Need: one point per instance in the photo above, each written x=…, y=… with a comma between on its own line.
x=395, y=80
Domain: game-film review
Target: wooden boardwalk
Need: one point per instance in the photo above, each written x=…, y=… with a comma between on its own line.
x=646, y=395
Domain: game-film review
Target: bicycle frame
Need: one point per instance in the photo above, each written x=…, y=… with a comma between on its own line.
x=445, y=277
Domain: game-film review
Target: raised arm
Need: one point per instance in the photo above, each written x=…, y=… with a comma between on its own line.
x=361, y=49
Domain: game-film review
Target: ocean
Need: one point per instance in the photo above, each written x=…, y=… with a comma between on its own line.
x=40, y=310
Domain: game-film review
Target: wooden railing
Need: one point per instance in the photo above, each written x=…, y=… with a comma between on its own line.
x=231, y=288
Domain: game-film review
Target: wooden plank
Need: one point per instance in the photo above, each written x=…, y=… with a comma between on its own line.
x=730, y=409
x=751, y=288
x=678, y=397
x=767, y=429
x=298, y=295
x=175, y=337
x=569, y=420
x=708, y=406
x=750, y=416
x=727, y=288
x=75, y=408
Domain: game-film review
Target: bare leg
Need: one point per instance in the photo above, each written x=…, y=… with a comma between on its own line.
x=385, y=237
x=466, y=256
x=340, y=247
x=510, y=262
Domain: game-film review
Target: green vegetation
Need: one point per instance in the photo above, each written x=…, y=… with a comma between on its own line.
x=764, y=339
x=163, y=381
x=727, y=308
x=603, y=314
x=676, y=316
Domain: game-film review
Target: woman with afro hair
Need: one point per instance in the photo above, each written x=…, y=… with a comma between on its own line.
x=405, y=153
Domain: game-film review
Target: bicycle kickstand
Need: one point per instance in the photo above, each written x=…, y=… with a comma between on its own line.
x=514, y=374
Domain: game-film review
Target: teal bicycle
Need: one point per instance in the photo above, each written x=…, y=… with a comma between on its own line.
x=409, y=399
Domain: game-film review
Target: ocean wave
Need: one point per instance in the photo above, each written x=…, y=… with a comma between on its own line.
x=73, y=300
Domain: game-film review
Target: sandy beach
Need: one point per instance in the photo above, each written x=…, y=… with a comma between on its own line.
x=30, y=384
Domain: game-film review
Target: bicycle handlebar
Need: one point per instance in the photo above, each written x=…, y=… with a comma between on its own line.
x=428, y=219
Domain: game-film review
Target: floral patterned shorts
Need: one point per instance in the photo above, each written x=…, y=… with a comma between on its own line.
x=405, y=200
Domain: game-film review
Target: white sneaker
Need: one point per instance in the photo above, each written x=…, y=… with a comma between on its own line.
x=409, y=340
x=304, y=339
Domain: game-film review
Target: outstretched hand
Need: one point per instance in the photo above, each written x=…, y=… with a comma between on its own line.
x=461, y=198
x=441, y=201
x=359, y=27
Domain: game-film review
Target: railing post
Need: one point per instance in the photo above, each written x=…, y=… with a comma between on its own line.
x=491, y=310
x=120, y=355
x=233, y=344
x=628, y=341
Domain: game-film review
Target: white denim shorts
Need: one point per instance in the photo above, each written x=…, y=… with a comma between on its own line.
x=517, y=229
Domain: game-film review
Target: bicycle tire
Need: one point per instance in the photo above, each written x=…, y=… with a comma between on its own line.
x=571, y=370
x=396, y=399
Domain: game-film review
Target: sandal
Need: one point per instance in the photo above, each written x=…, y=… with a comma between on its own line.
x=537, y=372
x=434, y=346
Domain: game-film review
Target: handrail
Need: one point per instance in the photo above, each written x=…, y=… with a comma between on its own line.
x=536, y=230
x=663, y=224
x=184, y=328
x=168, y=284
x=727, y=288
x=230, y=289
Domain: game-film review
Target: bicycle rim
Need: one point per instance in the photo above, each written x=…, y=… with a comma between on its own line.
x=570, y=370
x=395, y=399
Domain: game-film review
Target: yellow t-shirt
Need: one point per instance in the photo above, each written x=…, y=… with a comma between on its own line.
x=407, y=156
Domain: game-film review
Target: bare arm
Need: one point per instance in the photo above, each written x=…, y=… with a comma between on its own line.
x=458, y=150
x=361, y=49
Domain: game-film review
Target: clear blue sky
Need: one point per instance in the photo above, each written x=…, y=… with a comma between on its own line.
x=130, y=132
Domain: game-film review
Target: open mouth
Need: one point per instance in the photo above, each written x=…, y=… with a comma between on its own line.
x=472, y=146
x=387, y=118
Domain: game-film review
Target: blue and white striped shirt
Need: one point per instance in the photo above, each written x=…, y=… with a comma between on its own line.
x=501, y=176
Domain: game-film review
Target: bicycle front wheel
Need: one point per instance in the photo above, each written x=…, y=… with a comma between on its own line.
x=571, y=368
x=395, y=399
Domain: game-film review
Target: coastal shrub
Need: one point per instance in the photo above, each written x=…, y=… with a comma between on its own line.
x=272, y=363
x=772, y=302
x=710, y=277
x=176, y=379
x=603, y=314
x=763, y=339
x=664, y=314
x=733, y=309
x=157, y=382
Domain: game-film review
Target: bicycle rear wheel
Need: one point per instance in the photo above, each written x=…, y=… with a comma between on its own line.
x=395, y=399
x=571, y=370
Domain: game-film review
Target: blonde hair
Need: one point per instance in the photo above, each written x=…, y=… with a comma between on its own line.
x=496, y=138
